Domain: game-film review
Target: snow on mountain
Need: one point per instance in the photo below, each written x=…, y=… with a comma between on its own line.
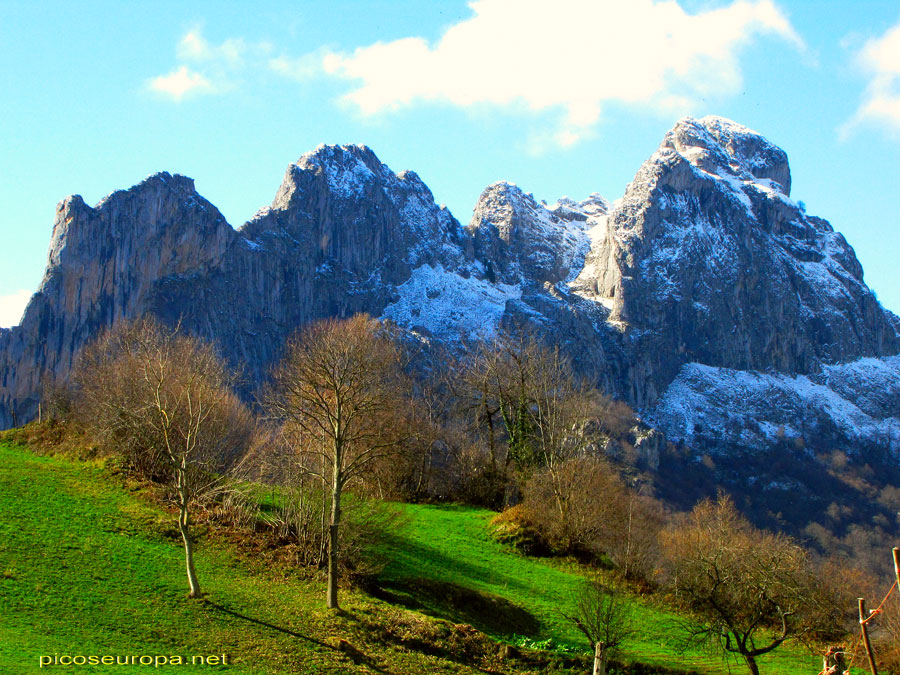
x=344, y=166
x=675, y=297
x=520, y=240
x=447, y=305
x=857, y=401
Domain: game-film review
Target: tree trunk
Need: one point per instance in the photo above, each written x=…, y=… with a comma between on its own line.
x=184, y=526
x=332, y=599
x=489, y=416
x=599, y=659
x=628, y=536
x=323, y=528
x=751, y=664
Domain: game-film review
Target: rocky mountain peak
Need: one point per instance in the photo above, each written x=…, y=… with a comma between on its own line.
x=104, y=263
x=593, y=207
x=343, y=203
x=724, y=148
x=503, y=206
x=519, y=239
x=707, y=259
x=704, y=266
x=352, y=170
x=151, y=192
x=161, y=208
x=350, y=183
x=347, y=168
x=327, y=153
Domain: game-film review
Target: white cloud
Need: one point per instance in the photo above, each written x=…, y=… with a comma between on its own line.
x=180, y=83
x=194, y=47
x=572, y=55
x=12, y=307
x=880, y=59
x=206, y=68
x=300, y=69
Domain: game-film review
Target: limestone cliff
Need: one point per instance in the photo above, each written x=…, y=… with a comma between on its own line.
x=703, y=278
x=342, y=231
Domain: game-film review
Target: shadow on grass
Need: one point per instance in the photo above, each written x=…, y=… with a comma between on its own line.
x=398, y=549
x=343, y=647
x=456, y=643
x=260, y=622
x=490, y=613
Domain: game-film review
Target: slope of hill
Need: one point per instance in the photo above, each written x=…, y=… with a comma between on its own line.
x=90, y=566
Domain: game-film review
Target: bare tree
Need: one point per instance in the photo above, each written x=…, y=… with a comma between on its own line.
x=879, y=628
x=110, y=399
x=575, y=504
x=167, y=400
x=294, y=504
x=496, y=385
x=604, y=619
x=533, y=409
x=633, y=541
x=339, y=393
x=749, y=590
x=565, y=410
x=473, y=383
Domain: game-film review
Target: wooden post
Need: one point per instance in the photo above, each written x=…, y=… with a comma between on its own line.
x=896, y=552
x=865, y=636
x=834, y=663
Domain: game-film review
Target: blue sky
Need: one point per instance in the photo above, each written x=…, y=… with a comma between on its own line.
x=565, y=97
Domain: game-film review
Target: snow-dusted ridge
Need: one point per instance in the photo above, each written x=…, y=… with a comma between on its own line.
x=859, y=401
x=704, y=260
x=447, y=305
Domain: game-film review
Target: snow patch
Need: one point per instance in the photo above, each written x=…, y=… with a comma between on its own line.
x=688, y=236
x=734, y=185
x=448, y=305
x=754, y=410
x=345, y=171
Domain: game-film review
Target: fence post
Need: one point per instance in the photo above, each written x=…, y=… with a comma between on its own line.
x=896, y=552
x=834, y=662
x=865, y=636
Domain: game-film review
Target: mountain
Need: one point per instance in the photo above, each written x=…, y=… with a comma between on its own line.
x=342, y=231
x=705, y=297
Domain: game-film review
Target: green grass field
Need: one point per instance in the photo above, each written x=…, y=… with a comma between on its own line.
x=451, y=545
x=87, y=567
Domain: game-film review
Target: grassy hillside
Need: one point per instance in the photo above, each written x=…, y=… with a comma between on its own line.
x=450, y=548
x=89, y=567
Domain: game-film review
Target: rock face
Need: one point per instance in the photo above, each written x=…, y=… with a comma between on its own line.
x=704, y=281
x=706, y=259
x=341, y=234
x=104, y=264
x=342, y=231
x=857, y=401
x=521, y=240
